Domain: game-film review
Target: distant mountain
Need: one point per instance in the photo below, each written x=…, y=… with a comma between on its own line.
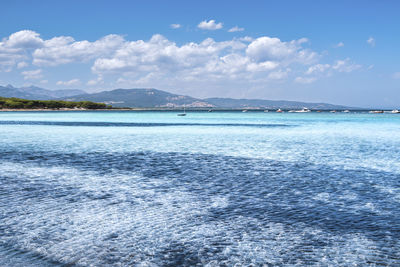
x=151, y=98
x=37, y=93
x=156, y=98
x=141, y=98
x=271, y=104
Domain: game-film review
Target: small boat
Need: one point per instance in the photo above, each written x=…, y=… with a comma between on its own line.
x=279, y=110
x=376, y=111
x=332, y=111
x=244, y=110
x=302, y=110
x=184, y=112
x=395, y=111
x=210, y=110
x=266, y=110
x=291, y=111
x=346, y=111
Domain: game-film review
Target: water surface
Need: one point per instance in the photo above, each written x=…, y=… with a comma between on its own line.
x=218, y=189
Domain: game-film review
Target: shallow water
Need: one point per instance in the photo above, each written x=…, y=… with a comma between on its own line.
x=215, y=189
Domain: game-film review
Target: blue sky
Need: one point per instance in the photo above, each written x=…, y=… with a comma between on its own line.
x=344, y=52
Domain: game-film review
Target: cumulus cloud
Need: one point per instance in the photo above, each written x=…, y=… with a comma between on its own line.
x=73, y=82
x=209, y=25
x=245, y=60
x=236, y=29
x=24, y=39
x=64, y=49
x=32, y=74
x=175, y=26
x=371, y=41
x=207, y=60
x=267, y=48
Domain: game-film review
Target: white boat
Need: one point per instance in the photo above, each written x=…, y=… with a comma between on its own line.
x=244, y=110
x=332, y=111
x=302, y=110
x=184, y=112
x=395, y=111
x=376, y=111
x=266, y=110
x=346, y=111
x=279, y=110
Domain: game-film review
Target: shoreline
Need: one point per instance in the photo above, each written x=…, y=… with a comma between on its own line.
x=271, y=110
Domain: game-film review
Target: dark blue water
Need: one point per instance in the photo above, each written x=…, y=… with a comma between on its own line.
x=82, y=206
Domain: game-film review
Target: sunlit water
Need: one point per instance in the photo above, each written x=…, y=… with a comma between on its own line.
x=214, y=189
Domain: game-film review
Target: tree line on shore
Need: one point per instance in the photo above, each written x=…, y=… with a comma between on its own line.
x=18, y=103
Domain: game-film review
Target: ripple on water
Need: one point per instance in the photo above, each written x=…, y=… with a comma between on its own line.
x=194, y=209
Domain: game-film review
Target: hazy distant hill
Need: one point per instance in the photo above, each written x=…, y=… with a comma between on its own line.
x=141, y=98
x=272, y=104
x=149, y=98
x=37, y=93
x=157, y=98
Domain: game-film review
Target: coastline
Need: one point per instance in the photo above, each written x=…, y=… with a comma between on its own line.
x=59, y=109
x=273, y=110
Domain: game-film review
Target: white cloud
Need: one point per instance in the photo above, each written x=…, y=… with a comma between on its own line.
x=64, y=49
x=318, y=68
x=305, y=80
x=175, y=26
x=22, y=64
x=44, y=81
x=345, y=66
x=236, y=29
x=160, y=61
x=246, y=39
x=210, y=25
x=340, y=44
x=371, y=41
x=97, y=81
x=73, y=82
x=24, y=39
x=267, y=48
x=32, y=74
x=9, y=55
x=278, y=75
x=324, y=70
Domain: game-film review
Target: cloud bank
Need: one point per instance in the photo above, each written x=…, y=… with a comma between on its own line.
x=246, y=60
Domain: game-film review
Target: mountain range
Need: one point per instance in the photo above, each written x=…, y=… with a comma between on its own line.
x=152, y=98
x=37, y=93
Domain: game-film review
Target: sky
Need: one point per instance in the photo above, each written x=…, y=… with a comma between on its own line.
x=340, y=52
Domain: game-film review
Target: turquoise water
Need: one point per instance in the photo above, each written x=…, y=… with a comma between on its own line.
x=221, y=188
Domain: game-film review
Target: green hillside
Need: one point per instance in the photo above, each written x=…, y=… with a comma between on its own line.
x=18, y=103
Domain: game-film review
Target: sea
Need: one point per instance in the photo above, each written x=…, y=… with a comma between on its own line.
x=145, y=188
